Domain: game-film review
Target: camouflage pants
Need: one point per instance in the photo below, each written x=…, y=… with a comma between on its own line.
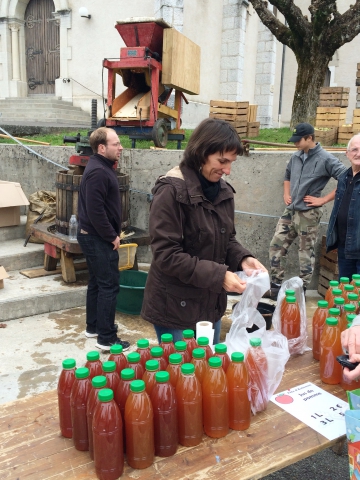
x=290, y=225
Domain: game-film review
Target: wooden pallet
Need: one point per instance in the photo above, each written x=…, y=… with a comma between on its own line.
x=334, y=97
x=328, y=267
x=253, y=129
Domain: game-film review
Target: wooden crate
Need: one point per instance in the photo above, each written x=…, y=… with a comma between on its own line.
x=330, y=116
x=180, y=62
x=345, y=132
x=356, y=118
x=253, y=129
x=328, y=267
x=334, y=97
x=229, y=111
x=252, y=113
x=326, y=135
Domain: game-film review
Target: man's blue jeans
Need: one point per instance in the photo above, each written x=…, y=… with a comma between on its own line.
x=103, y=287
x=347, y=266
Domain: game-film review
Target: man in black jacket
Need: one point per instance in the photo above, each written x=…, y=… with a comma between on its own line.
x=99, y=211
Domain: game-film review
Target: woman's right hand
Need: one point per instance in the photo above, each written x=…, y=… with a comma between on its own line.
x=232, y=283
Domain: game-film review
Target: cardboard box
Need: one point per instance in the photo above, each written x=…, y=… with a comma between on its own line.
x=11, y=198
x=3, y=274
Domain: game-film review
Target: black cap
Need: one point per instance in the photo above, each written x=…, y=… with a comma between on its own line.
x=300, y=131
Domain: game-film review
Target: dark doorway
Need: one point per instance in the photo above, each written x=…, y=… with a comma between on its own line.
x=42, y=47
x=327, y=78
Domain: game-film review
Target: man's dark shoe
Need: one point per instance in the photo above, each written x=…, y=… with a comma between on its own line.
x=91, y=334
x=106, y=345
x=273, y=292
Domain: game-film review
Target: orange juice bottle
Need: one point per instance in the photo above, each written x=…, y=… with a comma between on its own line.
x=335, y=313
x=151, y=367
x=348, y=289
x=181, y=349
x=215, y=400
x=133, y=359
x=257, y=367
x=288, y=293
x=290, y=319
x=354, y=300
x=139, y=427
x=318, y=322
x=78, y=403
x=239, y=403
x=350, y=318
x=332, y=284
x=167, y=344
x=127, y=375
x=97, y=383
x=157, y=353
x=143, y=350
x=335, y=292
x=117, y=356
x=355, y=278
x=330, y=344
x=221, y=352
x=189, y=407
x=199, y=362
x=348, y=310
x=346, y=384
x=109, y=371
x=189, y=338
x=65, y=383
x=339, y=302
x=344, y=281
x=94, y=364
x=174, y=367
x=203, y=342
x=357, y=287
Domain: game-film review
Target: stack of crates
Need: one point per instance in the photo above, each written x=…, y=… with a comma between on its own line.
x=334, y=97
x=326, y=135
x=330, y=116
x=253, y=126
x=328, y=267
x=345, y=132
x=235, y=113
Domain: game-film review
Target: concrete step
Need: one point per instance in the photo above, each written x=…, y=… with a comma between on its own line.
x=35, y=98
x=10, y=233
x=4, y=108
x=44, y=122
x=45, y=112
x=22, y=296
x=14, y=256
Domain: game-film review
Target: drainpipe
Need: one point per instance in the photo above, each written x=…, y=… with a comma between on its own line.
x=281, y=82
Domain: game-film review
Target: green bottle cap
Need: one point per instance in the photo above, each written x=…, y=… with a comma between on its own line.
x=69, y=363
x=116, y=349
x=198, y=353
x=82, y=372
x=133, y=357
x=166, y=338
x=187, y=368
x=188, y=333
x=255, y=342
x=350, y=317
x=180, y=346
x=99, y=381
x=143, y=343
x=220, y=348
x=336, y=292
x=215, y=362
x=175, y=358
x=331, y=321
x=152, y=365
x=349, y=288
x=344, y=280
x=355, y=276
x=137, y=386
x=92, y=356
x=339, y=301
x=162, y=377
x=237, y=357
x=290, y=299
x=334, y=312
x=289, y=293
x=127, y=374
x=106, y=395
x=157, y=352
x=323, y=304
x=333, y=283
x=353, y=297
x=349, y=308
x=203, y=341
x=109, y=366
x=357, y=283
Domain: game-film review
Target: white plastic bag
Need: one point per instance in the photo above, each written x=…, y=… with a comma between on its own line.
x=274, y=344
x=296, y=345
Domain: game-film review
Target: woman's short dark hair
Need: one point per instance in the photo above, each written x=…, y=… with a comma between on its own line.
x=209, y=137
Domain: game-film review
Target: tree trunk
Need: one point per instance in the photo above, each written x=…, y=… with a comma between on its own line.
x=310, y=77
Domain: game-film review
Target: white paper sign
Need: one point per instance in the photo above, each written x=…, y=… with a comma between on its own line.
x=315, y=407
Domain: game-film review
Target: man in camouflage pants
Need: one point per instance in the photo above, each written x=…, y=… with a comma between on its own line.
x=307, y=173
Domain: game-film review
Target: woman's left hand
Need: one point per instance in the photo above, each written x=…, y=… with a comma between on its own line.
x=250, y=263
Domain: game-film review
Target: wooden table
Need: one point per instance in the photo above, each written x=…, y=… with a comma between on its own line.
x=31, y=445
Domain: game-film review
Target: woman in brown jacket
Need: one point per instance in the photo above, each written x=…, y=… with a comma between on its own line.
x=192, y=233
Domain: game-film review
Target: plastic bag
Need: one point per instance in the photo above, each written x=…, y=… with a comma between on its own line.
x=296, y=345
x=43, y=205
x=273, y=343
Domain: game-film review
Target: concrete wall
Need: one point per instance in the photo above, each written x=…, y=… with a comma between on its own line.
x=257, y=179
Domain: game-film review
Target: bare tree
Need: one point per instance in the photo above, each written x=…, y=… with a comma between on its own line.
x=313, y=42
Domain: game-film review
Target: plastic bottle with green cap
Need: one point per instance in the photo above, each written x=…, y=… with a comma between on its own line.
x=189, y=338
x=127, y=375
x=117, y=356
x=200, y=363
x=174, y=367
x=288, y=293
x=344, y=281
x=238, y=384
x=157, y=353
x=328, y=295
x=318, y=323
x=335, y=313
x=133, y=359
x=163, y=399
x=151, y=367
x=167, y=344
x=97, y=383
x=348, y=309
x=221, y=352
x=330, y=343
x=335, y=292
x=203, y=342
x=348, y=288
x=350, y=317
x=65, y=383
x=354, y=300
x=93, y=363
x=290, y=319
x=354, y=278
x=78, y=402
x=215, y=400
x=108, y=437
x=257, y=367
x=357, y=286
x=143, y=350
x=139, y=427
x=339, y=302
x=189, y=407
x=181, y=348
x=109, y=371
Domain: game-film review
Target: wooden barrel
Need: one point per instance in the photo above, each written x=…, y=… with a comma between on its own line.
x=67, y=195
x=124, y=186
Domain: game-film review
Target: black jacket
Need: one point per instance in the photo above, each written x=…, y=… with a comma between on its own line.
x=99, y=207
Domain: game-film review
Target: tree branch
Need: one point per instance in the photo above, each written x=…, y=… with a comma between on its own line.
x=296, y=20
x=277, y=28
x=344, y=28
